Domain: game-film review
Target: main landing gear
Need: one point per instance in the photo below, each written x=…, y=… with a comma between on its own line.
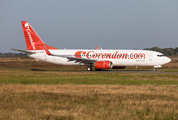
x=89, y=68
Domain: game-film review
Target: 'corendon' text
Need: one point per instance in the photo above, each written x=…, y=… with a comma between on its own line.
x=29, y=35
x=116, y=55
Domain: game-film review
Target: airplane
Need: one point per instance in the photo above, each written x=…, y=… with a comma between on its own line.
x=98, y=58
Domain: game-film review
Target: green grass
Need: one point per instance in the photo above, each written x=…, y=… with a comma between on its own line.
x=89, y=78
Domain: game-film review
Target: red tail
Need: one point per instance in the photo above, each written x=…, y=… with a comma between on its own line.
x=33, y=41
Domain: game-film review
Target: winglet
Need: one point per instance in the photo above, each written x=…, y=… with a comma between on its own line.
x=97, y=48
x=46, y=50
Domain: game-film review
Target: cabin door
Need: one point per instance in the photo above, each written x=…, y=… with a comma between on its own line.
x=150, y=56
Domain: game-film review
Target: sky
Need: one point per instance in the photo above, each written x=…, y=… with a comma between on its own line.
x=85, y=24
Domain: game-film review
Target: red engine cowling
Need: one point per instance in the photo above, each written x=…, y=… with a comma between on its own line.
x=103, y=65
x=119, y=67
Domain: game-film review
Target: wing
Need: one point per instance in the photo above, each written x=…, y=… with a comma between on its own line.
x=76, y=59
x=81, y=60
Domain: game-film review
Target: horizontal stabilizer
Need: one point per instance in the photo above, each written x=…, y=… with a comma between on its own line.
x=25, y=51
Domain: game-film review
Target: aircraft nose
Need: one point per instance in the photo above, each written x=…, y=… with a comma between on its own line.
x=167, y=60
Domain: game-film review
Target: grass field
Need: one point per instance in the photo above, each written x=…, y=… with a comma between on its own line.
x=53, y=92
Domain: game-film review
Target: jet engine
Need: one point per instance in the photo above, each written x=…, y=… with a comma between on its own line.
x=103, y=65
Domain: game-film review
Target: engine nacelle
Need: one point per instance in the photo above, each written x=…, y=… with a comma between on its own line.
x=103, y=65
x=119, y=67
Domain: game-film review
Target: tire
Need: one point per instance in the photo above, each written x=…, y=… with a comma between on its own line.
x=89, y=69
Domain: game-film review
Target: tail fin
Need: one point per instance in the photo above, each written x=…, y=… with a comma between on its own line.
x=33, y=41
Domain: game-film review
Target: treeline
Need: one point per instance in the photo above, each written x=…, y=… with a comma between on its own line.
x=165, y=51
x=12, y=54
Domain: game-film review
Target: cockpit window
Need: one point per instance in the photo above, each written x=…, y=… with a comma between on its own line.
x=160, y=55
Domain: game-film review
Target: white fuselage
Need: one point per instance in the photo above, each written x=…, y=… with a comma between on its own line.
x=117, y=57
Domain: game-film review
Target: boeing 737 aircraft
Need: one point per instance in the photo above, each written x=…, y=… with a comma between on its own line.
x=100, y=59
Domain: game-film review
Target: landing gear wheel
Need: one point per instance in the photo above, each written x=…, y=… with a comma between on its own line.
x=89, y=69
x=154, y=69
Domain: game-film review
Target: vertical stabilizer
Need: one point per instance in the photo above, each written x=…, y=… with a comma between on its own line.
x=33, y=41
